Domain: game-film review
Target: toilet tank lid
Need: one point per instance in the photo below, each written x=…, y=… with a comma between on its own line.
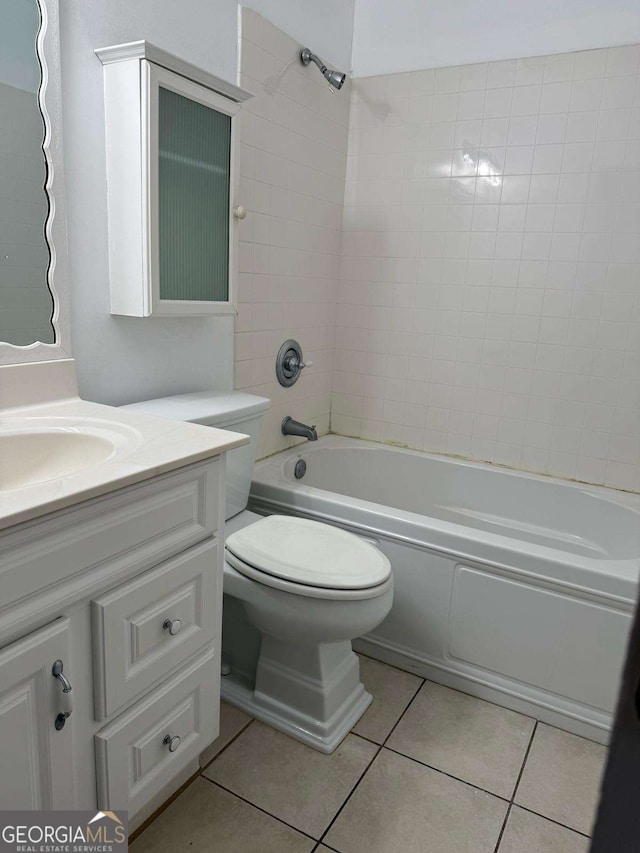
x=213, y=408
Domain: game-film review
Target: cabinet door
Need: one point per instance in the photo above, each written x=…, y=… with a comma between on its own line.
x=191, y=139
x=36, y=758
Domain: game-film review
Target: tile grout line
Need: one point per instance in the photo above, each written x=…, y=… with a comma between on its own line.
x=348, y=797
x=531, y=811
x=153, y=817
x=502, y=828
x=510, y=802
x=397, y=722
x=448, y=775
x=260, y=809
x=367, y=768
x=227, y=745
x=551, y=820
x=524, y=760
x=515, y=787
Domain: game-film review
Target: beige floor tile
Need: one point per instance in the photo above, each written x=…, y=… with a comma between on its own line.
x=402, y=806
x=561, y=778
x=473, y=740
x=392, y=690
x=291, y=781
x=232, y=721
x=529, y=833
x=206, y=819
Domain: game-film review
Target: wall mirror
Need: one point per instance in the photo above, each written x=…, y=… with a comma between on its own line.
x=34, y=315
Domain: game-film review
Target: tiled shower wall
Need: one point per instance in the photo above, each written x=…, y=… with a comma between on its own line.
x=293, y=159
x=489, y=299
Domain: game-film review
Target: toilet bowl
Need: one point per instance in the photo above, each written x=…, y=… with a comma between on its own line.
x=306, y=680
x=296, y=593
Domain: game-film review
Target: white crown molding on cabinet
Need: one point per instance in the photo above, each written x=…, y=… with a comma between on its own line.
x=146, y=50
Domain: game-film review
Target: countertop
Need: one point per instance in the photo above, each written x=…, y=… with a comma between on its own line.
x=147, y=446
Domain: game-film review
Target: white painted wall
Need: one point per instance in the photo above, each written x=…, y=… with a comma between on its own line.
x=407, y=35
x=123, y=359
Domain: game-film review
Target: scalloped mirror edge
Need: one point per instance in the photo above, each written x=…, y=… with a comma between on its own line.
x=50, y=102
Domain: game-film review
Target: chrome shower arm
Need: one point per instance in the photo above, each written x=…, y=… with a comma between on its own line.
x=306, y=57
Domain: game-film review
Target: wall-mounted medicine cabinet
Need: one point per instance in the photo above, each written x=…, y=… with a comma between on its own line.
x=171, y=184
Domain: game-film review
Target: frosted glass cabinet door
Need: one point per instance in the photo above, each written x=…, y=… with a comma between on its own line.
x=194, y=143
x=191, y=159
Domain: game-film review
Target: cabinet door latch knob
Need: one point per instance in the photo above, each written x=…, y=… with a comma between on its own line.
x=67, y=707
x=240, y=212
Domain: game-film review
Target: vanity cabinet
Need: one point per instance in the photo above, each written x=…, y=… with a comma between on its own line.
x=171, y=184
x=126, y=591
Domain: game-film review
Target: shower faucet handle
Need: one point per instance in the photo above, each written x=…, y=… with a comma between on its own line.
x=293, y=363
x=290, y=363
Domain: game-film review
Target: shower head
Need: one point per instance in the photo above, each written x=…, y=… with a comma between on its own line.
x=335, y=78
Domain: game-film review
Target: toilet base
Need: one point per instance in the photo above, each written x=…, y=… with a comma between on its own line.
x=311, y=692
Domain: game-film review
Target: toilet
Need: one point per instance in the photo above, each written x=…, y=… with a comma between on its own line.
x=296, y=593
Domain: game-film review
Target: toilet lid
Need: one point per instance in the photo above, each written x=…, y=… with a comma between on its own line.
x=308, y=552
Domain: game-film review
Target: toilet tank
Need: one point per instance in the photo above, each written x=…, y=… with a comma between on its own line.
x=232, y=410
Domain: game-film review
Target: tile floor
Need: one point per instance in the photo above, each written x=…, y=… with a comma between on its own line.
x=426, y=769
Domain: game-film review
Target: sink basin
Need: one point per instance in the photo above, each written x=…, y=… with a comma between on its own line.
x=36, y=450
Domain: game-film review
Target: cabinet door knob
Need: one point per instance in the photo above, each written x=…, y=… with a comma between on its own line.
x=172, y=626
x=172, y=742
x=240, y=212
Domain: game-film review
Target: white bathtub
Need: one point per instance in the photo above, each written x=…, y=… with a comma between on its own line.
x=510, y=586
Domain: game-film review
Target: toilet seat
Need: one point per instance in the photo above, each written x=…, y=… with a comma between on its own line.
x=308, y=558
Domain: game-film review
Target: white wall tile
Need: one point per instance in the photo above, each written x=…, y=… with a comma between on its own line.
x=490, y=296
x=294, y=136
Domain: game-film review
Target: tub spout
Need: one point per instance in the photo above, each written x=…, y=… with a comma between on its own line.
x=291, y=427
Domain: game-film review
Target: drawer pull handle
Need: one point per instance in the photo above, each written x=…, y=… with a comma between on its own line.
x=172, y=626
x=57, y=672
x=172, y=742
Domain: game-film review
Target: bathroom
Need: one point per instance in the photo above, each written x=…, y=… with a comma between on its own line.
x=447, y=239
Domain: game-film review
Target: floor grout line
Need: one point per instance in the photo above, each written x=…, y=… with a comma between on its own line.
x=515, y=788
x=153, y=817
x=379, y=749
x=348, y=797
x=260, y=809
x=448, y=775
x=409, y=704
x=524, y=761
x=551, y=820
x=364, y=737
x=227, y=745
x=502, y=828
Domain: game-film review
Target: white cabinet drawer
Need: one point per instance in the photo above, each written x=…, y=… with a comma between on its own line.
x=134, y=761
x=132, y=647
x=131, y=529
